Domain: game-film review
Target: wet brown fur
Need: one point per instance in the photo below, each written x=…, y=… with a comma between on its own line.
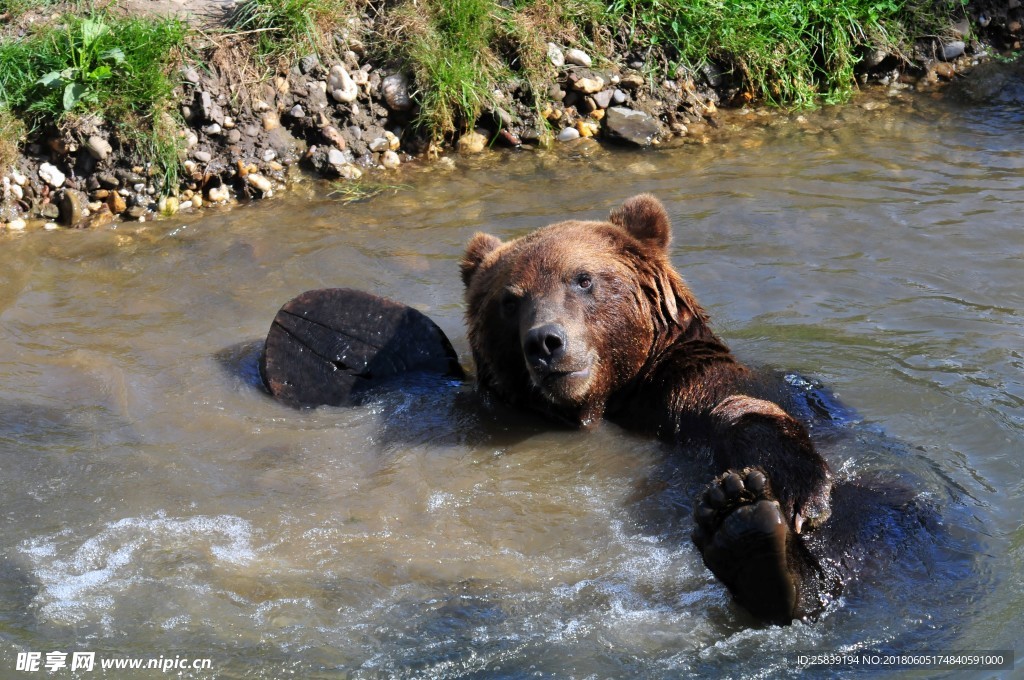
x=634, y=346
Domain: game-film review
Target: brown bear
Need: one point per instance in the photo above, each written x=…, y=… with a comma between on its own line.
x=586, y=321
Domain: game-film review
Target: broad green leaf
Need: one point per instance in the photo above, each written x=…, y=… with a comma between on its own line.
x=51, y=79
x=115, y=54
x=72, y=93
x=100, y=73
x=91, y=31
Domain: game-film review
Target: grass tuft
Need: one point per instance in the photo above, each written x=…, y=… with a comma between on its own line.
x=116, y=69
x=284, y=29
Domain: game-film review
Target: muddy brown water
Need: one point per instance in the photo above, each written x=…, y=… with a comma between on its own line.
x=156, y=504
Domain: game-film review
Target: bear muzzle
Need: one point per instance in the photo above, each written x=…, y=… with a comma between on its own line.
x=554, y=367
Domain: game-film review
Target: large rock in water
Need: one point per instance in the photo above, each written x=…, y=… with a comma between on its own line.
x=327, y=346
x=991, y=84
x=634, y=127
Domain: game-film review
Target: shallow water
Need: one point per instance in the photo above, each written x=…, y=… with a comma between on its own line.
x=157, y=504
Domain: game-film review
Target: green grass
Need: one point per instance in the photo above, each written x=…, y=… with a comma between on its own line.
x=115, y=68
x=790, y=52
x=284, y=29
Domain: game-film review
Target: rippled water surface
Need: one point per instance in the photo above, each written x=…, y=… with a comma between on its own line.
x=156, y=503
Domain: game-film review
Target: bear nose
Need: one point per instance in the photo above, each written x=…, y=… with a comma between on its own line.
x=544, y=345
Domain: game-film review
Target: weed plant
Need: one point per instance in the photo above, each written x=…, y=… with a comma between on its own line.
x=281, y=30
x=113, y=69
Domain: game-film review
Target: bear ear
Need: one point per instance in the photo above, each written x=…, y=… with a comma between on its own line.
x=645, y=218
x=480, y=246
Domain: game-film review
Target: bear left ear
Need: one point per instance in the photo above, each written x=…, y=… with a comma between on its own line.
x=480, y=246
x=645, y=218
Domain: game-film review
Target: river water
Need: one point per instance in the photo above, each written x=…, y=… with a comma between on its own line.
x=156, y=504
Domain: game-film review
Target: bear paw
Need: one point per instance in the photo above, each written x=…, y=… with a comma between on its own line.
x=747, y=543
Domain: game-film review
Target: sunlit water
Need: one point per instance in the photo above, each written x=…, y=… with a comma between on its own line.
x=157, y=504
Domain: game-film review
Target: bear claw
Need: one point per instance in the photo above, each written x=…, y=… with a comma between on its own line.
x=745, y=540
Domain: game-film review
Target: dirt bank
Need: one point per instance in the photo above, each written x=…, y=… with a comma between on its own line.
x=243, y=135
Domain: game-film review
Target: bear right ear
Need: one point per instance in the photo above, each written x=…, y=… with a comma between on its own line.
x=645, y=218
x=480, y=246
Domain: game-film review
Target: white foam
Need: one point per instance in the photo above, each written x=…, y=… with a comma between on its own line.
x=78, y=578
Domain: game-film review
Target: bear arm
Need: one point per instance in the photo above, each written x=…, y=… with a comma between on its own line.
x=751, y=432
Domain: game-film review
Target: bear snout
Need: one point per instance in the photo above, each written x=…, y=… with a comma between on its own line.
x=544, y=346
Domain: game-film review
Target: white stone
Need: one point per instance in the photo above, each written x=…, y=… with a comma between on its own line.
x=390, y=160
x=555, y=56
x=98, y=147
x=578, y=57
x=350, y=172
x=51, y=175
x=218, y=194
x=18, y=178
x=50, y=226
x=258, y=181
x=380, y=144
x=568, y=134
x=341, y=86
x=16, y=225
x=229, y=122
x=269, y=155
x=393, y=141
x=336, y=157
x=17, y=192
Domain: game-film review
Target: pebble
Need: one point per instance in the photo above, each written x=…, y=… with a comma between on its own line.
x=72, y=206
x=233, y=137
x=98, y=147
x=297, y=111
x=17, y=225
x=587, y=128
x=50, y=226
x=350, y=171
x=191, y=139
x=390, y=160
x=212, y=129
x=336, y=157
x=341, y=86
x=471, y=143
x=945, y=70
x=603, y=99
x=229, y=122
x=218, y=194
x=555, y=56
x=632, y=126
x=568, y=134
x=380, y=144
x=185, y=205
x=393, y=141
x=953, y=49
x=333, y=135
x=396, y=92
x=17, y=192
x=619, y=97
x=360, y=77
x=589, y=85
x=271, y=121
x=19, y=178
x=269, y=155
x=202, y=156
x=578, y=58
x=51, y=175
x=116, y=203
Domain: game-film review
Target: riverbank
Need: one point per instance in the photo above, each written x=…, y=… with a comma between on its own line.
x=251, y=98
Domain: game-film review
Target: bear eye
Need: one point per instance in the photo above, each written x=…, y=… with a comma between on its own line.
x=584, y=281
x=509, y=303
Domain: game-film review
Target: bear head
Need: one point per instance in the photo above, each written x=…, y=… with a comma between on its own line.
x=562, y=319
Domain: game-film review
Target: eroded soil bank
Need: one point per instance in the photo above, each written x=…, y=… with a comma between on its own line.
x=244, y=136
